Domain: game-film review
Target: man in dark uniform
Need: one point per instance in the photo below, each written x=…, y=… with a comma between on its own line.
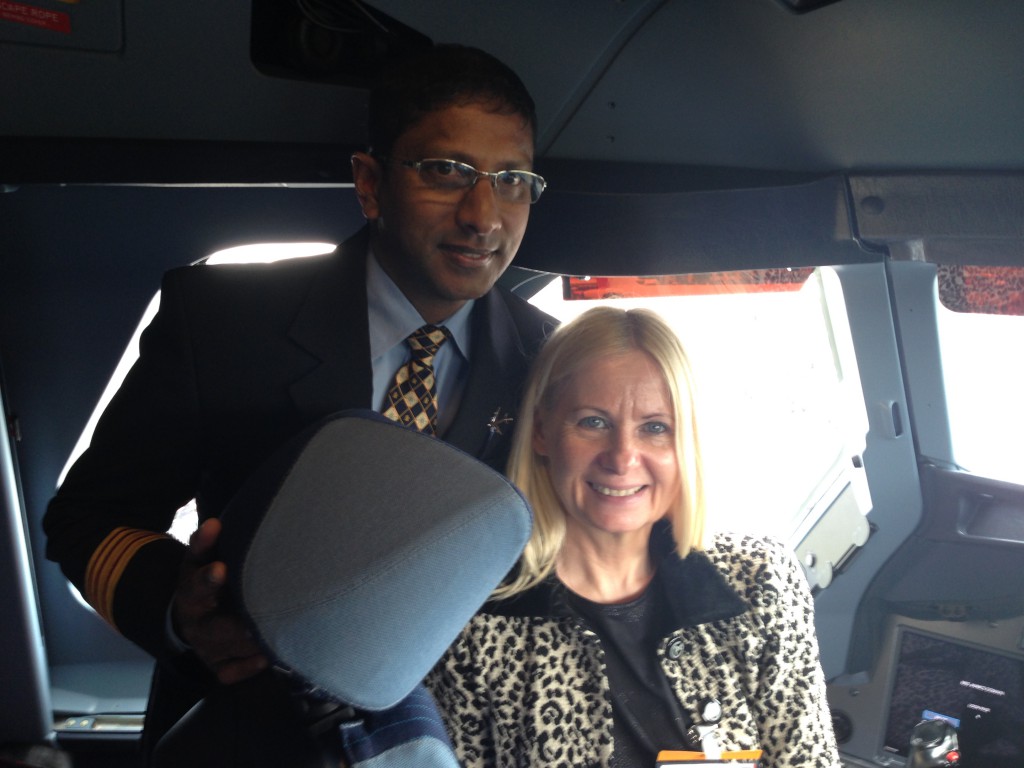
x=240, y=358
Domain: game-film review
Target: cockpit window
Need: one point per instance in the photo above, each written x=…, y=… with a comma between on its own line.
x=782, y=411
x=981, y=335
x=266, y=253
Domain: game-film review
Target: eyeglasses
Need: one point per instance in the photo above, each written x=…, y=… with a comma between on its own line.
x=511, y=186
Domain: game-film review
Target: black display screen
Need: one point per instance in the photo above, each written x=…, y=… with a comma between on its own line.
x=981, y=693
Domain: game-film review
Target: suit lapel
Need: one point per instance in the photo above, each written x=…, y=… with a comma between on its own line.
x=332, y=326
x=498, y=366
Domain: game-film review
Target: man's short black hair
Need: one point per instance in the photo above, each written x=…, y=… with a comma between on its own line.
x=412, y=85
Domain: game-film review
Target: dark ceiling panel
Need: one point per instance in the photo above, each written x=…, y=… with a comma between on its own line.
x=856, y=85
x=859, y=84
x=862, y=84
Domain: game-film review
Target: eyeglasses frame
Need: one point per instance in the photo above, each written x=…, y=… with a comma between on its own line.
x=416, y=165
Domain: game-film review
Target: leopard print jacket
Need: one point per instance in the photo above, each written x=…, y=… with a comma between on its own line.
x=524, y=683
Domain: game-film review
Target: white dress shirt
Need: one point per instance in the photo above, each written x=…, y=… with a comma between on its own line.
x=392, y=318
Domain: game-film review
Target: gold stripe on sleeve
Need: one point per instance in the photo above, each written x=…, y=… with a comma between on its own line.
x=107, y=564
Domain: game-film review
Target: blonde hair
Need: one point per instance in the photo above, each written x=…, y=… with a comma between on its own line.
x=601, y=332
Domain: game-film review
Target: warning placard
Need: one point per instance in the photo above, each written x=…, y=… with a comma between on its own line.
x=33, y=16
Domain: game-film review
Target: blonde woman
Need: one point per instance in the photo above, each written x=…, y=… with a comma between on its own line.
x=621, y=628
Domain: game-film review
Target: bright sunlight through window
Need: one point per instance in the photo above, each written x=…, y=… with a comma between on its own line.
x=983, y=372
x=780, y=404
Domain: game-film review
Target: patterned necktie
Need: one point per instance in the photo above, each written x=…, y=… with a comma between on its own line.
x=412, y=399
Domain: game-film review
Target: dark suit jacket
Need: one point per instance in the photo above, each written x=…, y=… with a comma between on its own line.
x=239, y=359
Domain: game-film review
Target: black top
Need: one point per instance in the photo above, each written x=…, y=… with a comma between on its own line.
x=647, y=718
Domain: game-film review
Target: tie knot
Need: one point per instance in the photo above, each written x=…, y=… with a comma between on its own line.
x=424, y=342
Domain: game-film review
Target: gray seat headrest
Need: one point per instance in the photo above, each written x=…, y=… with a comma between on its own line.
x=362, y=548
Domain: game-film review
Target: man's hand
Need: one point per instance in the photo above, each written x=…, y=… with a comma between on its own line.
x=202, y=618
